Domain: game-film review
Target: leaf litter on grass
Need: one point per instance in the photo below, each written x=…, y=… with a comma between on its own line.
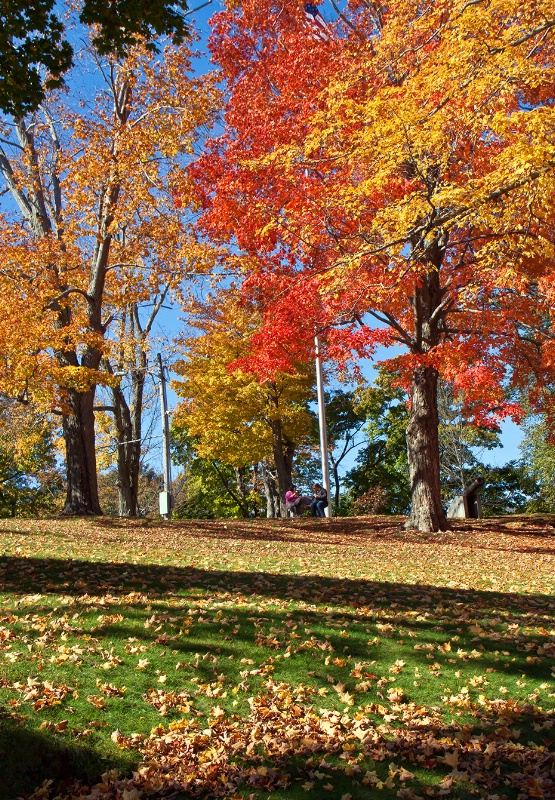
x=283, y=660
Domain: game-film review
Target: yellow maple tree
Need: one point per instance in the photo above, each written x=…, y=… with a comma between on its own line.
x=93, y=231
x=230, y=414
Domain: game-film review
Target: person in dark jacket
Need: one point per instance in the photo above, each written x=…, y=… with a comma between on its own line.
x=319, y=501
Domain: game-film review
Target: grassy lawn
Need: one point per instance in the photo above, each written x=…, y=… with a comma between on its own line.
x=280, y=659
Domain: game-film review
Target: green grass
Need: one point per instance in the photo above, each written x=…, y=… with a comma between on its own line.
x=277, y=660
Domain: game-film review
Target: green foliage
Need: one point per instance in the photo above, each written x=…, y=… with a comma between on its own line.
x=211, y=492
x=383, y=460
x=30, y=483
x=539, y=457
x=307, y=468
x=510, y=489
x=379, y=483
x=123, y=23
x=211, y=489
x=31, y=34
x=32, y=41
x=344, y=416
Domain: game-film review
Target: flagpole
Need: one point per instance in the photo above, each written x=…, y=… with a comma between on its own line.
x=165, y=497
x=322, y=425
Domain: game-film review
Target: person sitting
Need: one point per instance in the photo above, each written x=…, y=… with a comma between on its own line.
x=319, y=501
x=293, y=501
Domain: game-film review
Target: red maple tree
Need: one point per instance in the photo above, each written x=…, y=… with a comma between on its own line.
x=392, y=183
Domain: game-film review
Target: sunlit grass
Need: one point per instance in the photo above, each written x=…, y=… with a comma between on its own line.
x=141, y=628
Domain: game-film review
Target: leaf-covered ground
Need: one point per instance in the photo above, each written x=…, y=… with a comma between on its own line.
x=285, y=660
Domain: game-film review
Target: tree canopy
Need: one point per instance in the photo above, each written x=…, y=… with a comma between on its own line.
x=93, y=230
x=399, y=170
x=34, y=53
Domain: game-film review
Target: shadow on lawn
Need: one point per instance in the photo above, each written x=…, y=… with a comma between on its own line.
x=440, y=611
x=73, y=577
x=27, y=758
x=325, y=598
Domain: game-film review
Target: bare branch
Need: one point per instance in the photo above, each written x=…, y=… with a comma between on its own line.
x=156, y=308
x=54, y=305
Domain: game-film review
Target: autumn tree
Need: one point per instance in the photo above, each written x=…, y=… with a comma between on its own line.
x=93, y=232
x=228, y=412
x=397, y=173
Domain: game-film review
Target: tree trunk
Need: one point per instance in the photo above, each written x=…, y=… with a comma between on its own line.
x=284, y=450
x=128, y=428
x=423, y=454
x=270, y=492
x=128, y=478
x=78, y=431
x=426, y=513
x=336, y=486
x=128, y=414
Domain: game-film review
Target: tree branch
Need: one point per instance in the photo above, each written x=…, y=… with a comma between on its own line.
x=54, y=305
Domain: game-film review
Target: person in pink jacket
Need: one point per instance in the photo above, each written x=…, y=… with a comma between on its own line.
x=293, y=501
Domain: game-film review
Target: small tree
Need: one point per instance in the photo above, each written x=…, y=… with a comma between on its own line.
x=231, y=416
x=30, y=482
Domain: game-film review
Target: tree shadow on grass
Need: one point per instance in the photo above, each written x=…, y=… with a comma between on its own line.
x=22, y=575
x=435, y=613
x=145, y=589
x=28, y=757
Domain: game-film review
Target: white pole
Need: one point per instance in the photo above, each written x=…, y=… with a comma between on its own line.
x=165, y=496
x=322, y=425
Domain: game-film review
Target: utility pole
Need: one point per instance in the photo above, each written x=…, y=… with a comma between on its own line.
x=165, y=496
x=322, y=425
